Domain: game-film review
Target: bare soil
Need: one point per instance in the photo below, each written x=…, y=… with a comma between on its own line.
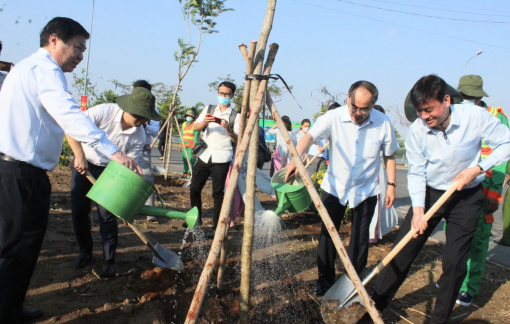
x=143, y=293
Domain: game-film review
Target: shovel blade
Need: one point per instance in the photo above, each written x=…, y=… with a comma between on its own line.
x=170, y=259
x=351, y=312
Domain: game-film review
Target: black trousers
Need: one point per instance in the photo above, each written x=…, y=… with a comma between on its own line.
x=24, y=210
x=161, y=146
x=358, y=245
x=201, y=172
x=461, y=212
x=80, y=209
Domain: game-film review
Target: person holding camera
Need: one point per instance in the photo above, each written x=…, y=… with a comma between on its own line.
x=215, y=150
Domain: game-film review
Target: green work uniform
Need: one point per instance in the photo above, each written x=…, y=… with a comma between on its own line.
x=189, y=137
x=492, y=187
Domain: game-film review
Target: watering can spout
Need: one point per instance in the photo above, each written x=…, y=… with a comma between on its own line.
x=190, y=217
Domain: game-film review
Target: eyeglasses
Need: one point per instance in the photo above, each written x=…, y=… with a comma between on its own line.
x=139, y=118
x=363, y=111
x=225, y=94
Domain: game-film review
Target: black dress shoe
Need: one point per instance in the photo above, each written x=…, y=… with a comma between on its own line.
x=210, y=234
x=108, y=270
x=82, y=260
x=500, y=243
x=320, y=289
x=30, y=314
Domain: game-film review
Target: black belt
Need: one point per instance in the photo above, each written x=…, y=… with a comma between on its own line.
x=13, y=160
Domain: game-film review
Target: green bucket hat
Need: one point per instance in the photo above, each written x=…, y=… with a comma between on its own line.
x=472, y=85
x=140, y=102
x=410, y=111
x=190, y=113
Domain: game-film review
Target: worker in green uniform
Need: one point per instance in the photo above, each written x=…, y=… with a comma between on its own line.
x=505, y=240
x=189, y=139
x=471, y=89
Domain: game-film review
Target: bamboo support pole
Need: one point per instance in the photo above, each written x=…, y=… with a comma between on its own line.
x=198, y=298
x=183, y=147
x=369, y=304
x=248, y=56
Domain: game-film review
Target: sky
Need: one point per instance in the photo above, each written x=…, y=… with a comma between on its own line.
x=322, y=43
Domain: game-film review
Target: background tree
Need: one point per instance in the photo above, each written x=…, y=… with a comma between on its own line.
x=79, y=87
x=326, y=98
x=107, y=96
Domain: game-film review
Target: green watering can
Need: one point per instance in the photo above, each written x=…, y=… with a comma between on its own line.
x=292, y=198
x=123, y=193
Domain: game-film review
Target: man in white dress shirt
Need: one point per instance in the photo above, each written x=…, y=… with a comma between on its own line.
x=215, y=159
x=123, y=124
x=358, y=134
x=35, y=111
x=443, y=145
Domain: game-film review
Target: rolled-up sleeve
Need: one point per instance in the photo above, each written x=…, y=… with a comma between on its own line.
x=416, y=176
x=390, y=143
x=321, y=128
x=497, y=136
x=62, y=107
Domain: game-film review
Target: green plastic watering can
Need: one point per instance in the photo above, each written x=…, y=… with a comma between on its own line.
x=292, y=198
x=123, y=193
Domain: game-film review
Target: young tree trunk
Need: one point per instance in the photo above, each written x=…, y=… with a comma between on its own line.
x=369, y=304
x=182, y=141
x=198, y=298
x=167, y=150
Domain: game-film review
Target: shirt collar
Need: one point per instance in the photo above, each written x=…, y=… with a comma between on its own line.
x=226, y=111
x=118, y=119
x=44, y=52
x=454, y=121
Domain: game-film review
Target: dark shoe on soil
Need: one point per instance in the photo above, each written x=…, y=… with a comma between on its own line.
x=210, y=233
x=320, y=289
x=464, y=299
x=108, y=270
x=501, y=243
x=82, y=260
x=30, y=314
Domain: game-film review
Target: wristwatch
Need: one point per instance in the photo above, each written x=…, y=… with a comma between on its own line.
x=482, y=171
x=394, y=184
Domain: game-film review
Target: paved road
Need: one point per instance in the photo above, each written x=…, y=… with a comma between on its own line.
x=497, y=253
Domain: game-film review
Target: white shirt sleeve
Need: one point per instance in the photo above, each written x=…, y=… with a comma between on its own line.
x=236, y=123
x=201, y=117
x=390, y=143
x=321, y=128
x=62, y=107
x=153, y=128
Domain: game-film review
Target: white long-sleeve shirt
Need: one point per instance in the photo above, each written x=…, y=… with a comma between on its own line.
x=108, y=117
x=36, y=110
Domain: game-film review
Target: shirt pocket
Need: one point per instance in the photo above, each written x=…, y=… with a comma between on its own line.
x=467, y=151
x=372, y=148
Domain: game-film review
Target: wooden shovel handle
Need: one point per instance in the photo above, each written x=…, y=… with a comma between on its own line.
x=310, y=162
x=409, y=236
x=134, y=228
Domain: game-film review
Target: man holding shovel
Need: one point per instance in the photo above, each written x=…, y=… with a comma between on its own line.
x=35, y=111
x=123, y=124
x=357, y=134
x=189, y=138
x=443, y=146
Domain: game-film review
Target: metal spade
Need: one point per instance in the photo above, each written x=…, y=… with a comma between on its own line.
x=343, y=293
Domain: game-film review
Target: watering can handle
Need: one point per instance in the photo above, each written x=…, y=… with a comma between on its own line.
x=409, y=236
x=134, y=228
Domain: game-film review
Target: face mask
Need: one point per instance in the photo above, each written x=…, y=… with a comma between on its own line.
x=190, y=119
x=224, y=101
x=468, y=102
x=306, y=129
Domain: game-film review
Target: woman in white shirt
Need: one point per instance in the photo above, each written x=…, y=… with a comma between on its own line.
x=281, y=156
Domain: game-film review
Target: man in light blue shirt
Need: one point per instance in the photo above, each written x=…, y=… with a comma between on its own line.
x=443, y=146
x=357, y=134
